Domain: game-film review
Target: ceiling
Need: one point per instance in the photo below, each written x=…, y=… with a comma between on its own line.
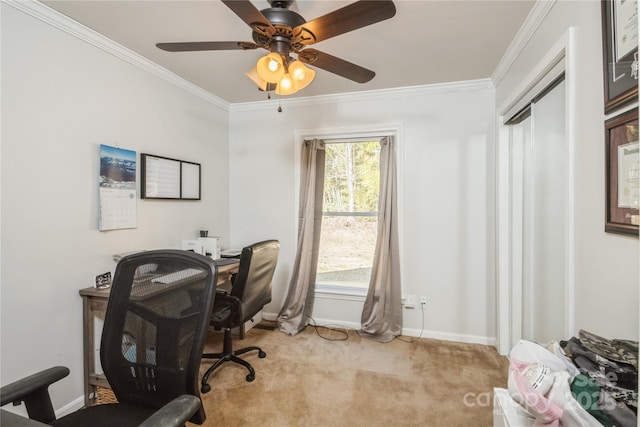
x=426, y=42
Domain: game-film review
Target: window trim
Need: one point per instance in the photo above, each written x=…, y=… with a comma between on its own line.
x=349, y=293
x=345, y=290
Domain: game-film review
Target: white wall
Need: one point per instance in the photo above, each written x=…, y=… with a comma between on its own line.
x=61, y=99
x=447, y=213
x=606, y=265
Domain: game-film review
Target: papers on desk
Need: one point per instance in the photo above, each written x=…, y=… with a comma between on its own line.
x=178, y=275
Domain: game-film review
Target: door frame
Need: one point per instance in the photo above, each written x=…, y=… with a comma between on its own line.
x=508, y=308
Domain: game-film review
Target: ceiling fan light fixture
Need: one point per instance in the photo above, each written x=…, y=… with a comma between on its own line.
x=270, y=68
x=301, y=75
x=282, y=31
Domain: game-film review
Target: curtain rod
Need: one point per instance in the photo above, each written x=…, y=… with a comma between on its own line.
x=348, y=140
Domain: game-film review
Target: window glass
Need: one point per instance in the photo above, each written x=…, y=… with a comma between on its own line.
x=350, y=217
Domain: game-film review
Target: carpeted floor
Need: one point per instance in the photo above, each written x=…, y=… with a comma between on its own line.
x=310, y=381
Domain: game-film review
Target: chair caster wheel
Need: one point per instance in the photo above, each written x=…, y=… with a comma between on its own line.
x=262, y=354
x=250, y=377
x=206, y=388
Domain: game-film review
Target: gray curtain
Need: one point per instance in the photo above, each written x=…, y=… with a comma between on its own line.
x=298, y=305
x=381, y=318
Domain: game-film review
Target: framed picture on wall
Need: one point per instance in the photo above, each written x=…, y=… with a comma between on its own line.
x=620, y=52
x=622, y=174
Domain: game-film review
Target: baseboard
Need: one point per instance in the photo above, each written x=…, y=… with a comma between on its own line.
x=271, y=317
x=336, y=323
x=447, y=336
x=444, y=336
x=71, y=407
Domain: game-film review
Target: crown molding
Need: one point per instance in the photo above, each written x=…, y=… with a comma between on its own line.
x=56, y=19
x=462, y=86
x=535, y=18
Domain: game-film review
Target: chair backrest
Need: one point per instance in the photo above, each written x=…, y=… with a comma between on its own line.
x=252, y=284
x=155, y=326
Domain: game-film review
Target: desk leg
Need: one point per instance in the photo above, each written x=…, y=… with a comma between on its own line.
x=90, y=391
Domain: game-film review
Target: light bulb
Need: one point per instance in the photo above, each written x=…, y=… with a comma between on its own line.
x=302, y=75
x=273, y=65
x=270, y=68
x=298, y=74
x=285, y=86
x=286, y=81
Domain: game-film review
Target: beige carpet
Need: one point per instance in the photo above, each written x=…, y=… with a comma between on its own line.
x=310, y=381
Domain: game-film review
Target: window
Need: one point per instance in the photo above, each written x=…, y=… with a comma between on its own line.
x=350, y=217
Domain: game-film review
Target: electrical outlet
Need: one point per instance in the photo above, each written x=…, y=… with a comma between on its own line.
x=410, y=301
x=423, y=301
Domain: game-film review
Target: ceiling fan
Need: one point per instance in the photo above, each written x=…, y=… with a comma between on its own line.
x=284, y=32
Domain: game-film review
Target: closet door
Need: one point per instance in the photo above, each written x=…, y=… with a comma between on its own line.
x=544, y=219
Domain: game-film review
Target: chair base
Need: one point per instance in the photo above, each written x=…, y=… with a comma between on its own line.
x=228, y=355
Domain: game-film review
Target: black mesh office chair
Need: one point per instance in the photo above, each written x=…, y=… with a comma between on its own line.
x=152, y=342
x=251, y=290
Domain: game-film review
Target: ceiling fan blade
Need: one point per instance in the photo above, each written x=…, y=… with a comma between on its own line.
x=196, y=46
x=250, y=15
x=340, y=21
x=336, y=65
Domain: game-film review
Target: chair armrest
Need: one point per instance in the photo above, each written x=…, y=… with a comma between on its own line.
x=224, y=296
x=18, y=390
x=175, y=413
x=33, y=390
x=227, y=310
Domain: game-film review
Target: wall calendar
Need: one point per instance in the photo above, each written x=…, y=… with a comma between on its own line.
x=117, y=189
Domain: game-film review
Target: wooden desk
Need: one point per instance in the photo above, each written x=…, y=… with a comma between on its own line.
x=94, y=304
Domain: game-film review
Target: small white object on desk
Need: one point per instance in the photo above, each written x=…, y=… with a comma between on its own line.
x=193, y=245
x=211, y=246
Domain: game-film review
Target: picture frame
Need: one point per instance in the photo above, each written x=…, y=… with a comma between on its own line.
x=167, y=178
x=620, y=53
x=622, y=174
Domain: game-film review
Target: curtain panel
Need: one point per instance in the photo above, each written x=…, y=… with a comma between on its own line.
x=381, y=318
x=298, y=306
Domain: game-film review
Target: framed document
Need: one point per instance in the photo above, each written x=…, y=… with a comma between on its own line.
x=622, y=174
x=166, y=178
x=620, y=52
